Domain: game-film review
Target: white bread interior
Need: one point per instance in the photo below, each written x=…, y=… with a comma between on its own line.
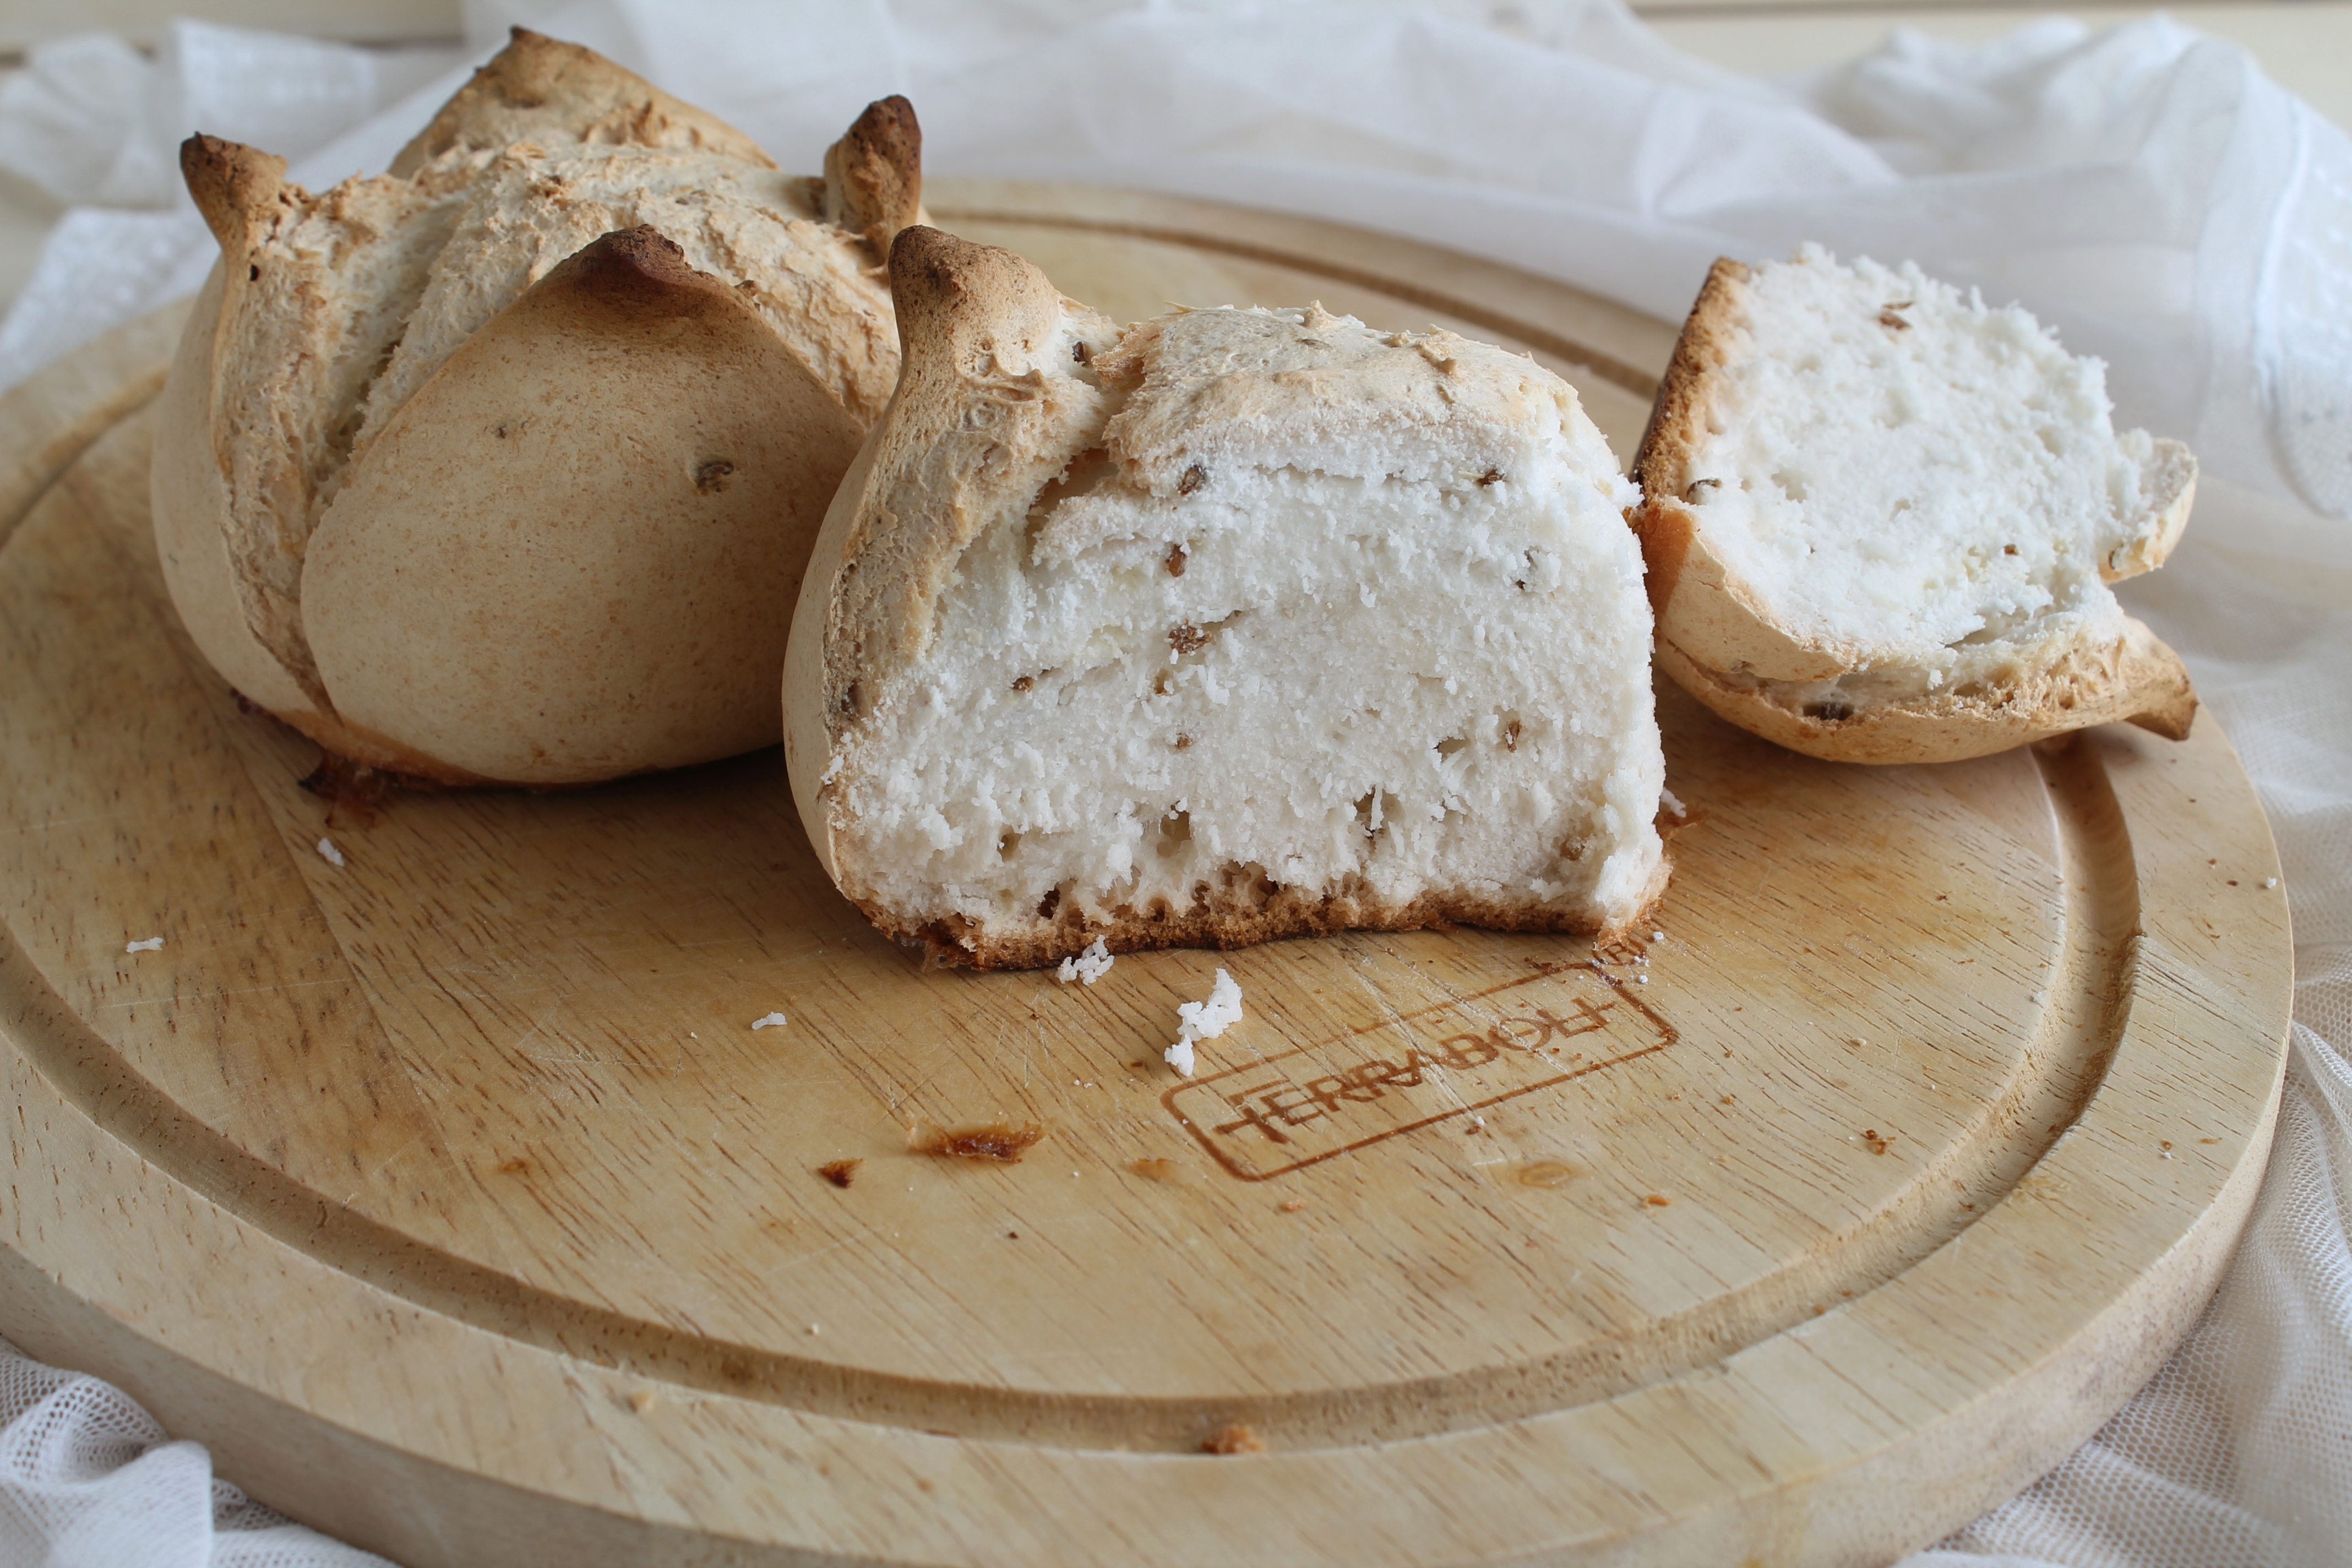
x=335, y=318
x=1230, y=625
x=1880, y=518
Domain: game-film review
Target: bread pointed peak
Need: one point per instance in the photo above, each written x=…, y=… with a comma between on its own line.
x=544, y=89
x=874, y=175
x=232, y=185
x=969, y=306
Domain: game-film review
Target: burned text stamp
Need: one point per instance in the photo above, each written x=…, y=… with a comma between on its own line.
x=1414, y=1070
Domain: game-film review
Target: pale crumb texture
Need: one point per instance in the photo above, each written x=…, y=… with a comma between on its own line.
x=150, y=944
x=1317, y=626
x=1197, y=1021
x=1089, y=966
x=1929, y=483
x=329, y=853
x=768, y=1021
x=1666, y=798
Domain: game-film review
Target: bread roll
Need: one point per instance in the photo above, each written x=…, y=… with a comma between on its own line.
x=1226, y=626
x=1879, y=519
x=503, y=466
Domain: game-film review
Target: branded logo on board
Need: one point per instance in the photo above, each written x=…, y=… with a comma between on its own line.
x=1415, y=1070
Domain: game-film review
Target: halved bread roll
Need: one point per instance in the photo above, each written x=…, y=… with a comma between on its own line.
x=501, y=467
x=1880, y=518
x=1229, y=626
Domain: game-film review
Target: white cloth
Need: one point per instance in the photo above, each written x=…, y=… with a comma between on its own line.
x=89, y=1481
x=2145, y=189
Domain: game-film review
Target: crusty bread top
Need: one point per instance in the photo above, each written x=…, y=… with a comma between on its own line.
x=334, y=310
x=597, y=505
x=986, y=331
x=530, y=207
x=314, y=294
x=1327, y=394
x=539, y=89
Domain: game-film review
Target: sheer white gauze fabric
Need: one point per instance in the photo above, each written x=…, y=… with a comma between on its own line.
x=2145, y=190
x=87, y=1479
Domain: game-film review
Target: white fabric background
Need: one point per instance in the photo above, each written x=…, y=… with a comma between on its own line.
x=2145, y=189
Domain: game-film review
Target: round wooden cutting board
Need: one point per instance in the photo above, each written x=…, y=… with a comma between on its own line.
x=449, y=1193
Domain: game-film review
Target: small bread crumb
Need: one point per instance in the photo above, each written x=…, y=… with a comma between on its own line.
x=1666, y=798
x=329, y=853
x=1093, y=962
x=1205, y=1021
x=1292, y=1206
x=1154, y=1170
x=1002, y=1141
x=1233, y=1439
x=1658, y=1200
x=840, y=1173
x=772, y=1020
x=151, y=944
x=642, y=1401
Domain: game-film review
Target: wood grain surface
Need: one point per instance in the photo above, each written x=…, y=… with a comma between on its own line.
x=449, y=1193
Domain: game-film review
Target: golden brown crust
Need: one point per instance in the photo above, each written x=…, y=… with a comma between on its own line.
x=874, y=175
x=497, y=503
x=242, y=194
x=2174, y=473
x=538, y=87
x=234, y=187
x=1674, y=414
x=369, y=749
x=1242, y=909
x=2133, y=678
x=188, y=491
x=973, y=324
x=1715, y=639
x=254, y=446
x=1698, y=601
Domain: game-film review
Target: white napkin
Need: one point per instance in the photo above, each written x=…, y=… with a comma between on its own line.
x=2145, y=190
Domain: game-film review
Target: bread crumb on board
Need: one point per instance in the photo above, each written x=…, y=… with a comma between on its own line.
x=1093, y=962
x=840, y=1173
x=329, y=854
x=769, y=1021
x=145, y=944
x=1156, y=1170
x=1236, y=1438
x=1205, y=1021
x=1002, y=1141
